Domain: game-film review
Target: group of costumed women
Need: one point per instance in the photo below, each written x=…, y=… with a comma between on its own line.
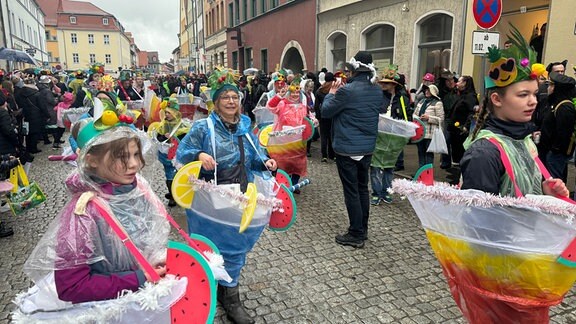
x=505, y=238
x=99, y=256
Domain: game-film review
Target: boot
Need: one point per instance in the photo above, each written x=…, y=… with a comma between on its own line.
x=229, y=297
x=171, y=202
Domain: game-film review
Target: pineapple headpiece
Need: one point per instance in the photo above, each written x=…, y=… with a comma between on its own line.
x=515, y=64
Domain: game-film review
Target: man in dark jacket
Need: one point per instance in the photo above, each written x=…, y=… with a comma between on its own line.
x=557, y=144
x=354, y=110
x=27, y=98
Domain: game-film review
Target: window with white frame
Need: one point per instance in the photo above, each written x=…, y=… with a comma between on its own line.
x=72, y=19
x=435, y=44
x=108, y=58
x=74, y=38
x=105, y=21
x=106, y=39
x=92, y=58
x=380, y=43
x=75, y=58
x=90, y=38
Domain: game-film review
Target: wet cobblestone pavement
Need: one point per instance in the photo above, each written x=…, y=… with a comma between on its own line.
x=300, y=276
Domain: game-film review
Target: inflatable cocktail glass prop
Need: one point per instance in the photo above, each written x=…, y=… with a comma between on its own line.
x=507, y=260
x=393, y=135
x=261, y=201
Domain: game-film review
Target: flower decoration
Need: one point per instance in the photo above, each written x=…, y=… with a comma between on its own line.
x=107, y=114
x=295, y=85
x=457, y=124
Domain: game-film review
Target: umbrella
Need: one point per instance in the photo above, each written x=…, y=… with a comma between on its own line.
x=250, y=71
x=16, y=55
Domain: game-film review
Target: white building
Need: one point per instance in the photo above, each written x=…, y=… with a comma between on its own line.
x=23, y=23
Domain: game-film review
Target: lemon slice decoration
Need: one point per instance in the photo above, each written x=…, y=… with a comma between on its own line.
x=264, y=135
x=182, y=190
x=153, y=128
x=250, y=208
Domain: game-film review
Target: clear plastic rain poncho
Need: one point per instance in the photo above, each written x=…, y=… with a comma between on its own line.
x=73, y=240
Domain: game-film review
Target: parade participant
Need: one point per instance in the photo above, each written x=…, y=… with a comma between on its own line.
x=354, y=110
x=238, y=160
x=427, y=80
x=310, y=100
x=431, y=112
x=505, y=117
x=557, y=129
x=81, y=257
x=67, y=99
x=277, y=84
x=138, y=85
x=124, y=89
x=290, y=111
x=325, y=123
x=396, y=105
x=169, y=131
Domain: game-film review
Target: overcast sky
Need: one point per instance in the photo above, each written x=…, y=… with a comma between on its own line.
x=153, y=23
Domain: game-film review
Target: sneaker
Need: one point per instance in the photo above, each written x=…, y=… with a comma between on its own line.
x=324, y=160
x=5, y=231
x=347, y=239
x=375, y=201
x=4, y=207
x=387, y=199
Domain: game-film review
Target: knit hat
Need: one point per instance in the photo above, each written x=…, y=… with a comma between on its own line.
x=329, y=76
x=515, y=64
x=429, y=77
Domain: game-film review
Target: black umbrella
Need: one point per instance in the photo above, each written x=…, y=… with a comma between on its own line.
x=9, y=54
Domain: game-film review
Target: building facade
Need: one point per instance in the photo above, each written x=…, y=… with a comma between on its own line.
x=419, y=36
x=23, y=28
x=215, y=13
x=268, y=34
x=86, y=34
x=191, y=37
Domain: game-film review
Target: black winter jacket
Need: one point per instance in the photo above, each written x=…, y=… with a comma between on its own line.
x=28, y=99
x=8, y=136
x=47, y=101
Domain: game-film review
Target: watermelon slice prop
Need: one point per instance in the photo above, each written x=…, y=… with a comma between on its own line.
x=425, y=175
x=568, y=256
x=198, y=305
x=420, y=131
x=283, y=218
x=308, y=130
x=202, y=243
x=283, y=178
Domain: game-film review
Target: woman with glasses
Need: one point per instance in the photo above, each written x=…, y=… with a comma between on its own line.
x=238, y=158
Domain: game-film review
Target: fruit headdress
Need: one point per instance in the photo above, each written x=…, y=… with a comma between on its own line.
x=222, y=79
x=515, y=64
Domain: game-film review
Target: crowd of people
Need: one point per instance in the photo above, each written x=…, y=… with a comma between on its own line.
x=533, y=108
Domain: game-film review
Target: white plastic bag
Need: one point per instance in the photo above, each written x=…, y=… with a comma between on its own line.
x=438, y=143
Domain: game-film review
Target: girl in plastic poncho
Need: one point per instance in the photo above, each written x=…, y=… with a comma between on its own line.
x=505, y=117
x=80, y=258
x=290, y=109
x=231, y=129
x=169, y=132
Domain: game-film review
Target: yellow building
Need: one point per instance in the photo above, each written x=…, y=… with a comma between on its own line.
x=81, y=34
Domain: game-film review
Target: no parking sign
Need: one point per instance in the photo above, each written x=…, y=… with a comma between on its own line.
x=487, y=12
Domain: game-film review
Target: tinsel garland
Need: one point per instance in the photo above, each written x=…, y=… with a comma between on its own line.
x=240, y=198
x=79, y=110
x=289, y=131
x=448, y=194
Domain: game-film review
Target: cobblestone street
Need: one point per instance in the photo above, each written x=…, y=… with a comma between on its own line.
x=300, y=276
